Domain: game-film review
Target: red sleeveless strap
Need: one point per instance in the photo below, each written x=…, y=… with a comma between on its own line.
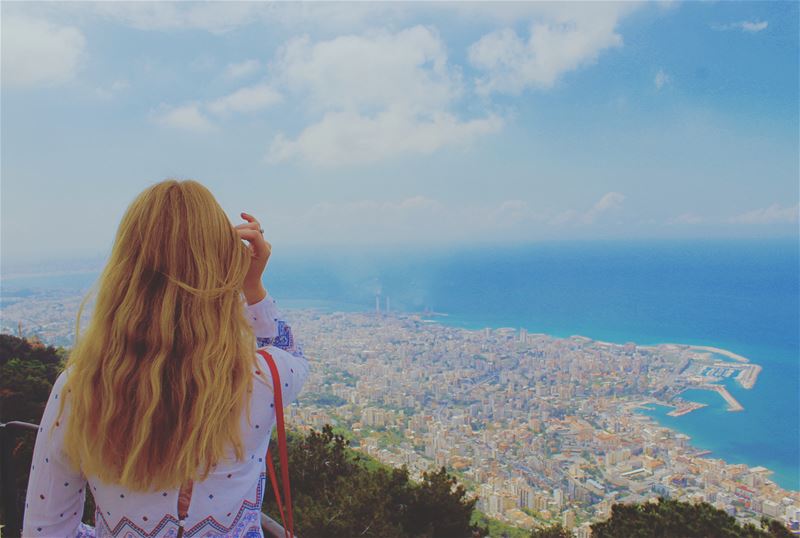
x=283, y=452
x=273, y=478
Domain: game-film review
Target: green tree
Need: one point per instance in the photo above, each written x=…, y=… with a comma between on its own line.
x=496, y=528
x=670, y=518
x=339, y=492
x=554, y=531
x=440, y=507
x=27, y=374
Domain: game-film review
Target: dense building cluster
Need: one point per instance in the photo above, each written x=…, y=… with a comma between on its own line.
x=542, y=429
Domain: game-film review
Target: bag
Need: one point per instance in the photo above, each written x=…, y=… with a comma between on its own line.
x=185, y=493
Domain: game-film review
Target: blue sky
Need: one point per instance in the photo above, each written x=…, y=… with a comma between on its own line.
x=403, y=123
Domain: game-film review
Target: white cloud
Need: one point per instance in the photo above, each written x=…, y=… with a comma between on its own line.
x=751, y=27
x=661, y=79
x=609, y=202
x=242, y=69
x=377, y=69
x=768, y=215
x=193, y=116
x=380, y=94
x=513, y=213
x=754, y=26
x=36, y=52
x=186, y=117
x=348, y=137
x=248, y=99
x=560, y=40
x=375, y=95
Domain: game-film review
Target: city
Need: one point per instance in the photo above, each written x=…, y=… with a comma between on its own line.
x=542, y=429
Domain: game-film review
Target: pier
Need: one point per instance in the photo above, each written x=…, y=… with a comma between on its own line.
x=686, y=408
x=733, y=404
x=747, y=377
x=724, y=352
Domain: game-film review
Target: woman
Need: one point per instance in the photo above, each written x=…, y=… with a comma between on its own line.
x=165, y=387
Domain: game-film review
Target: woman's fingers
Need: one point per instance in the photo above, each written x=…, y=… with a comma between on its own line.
x=260, y=246
x=251, y=222
x=260, y=249
x=248, y=234
x=253, y=225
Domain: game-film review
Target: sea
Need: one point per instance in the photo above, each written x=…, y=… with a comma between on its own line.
x=739, y=295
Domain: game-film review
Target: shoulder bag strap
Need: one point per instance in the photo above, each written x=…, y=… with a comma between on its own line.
x=283, y=453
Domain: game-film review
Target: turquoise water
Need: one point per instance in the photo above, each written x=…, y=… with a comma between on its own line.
x=741, y=295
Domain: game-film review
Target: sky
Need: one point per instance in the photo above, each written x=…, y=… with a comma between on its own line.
x=424, y=123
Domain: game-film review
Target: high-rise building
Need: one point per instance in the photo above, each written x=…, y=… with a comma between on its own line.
x=523, y=336
x=387, y=304
x=525, y=496
x=495, y=504
x=558, y=497
x=378, y=303
x=569, y=519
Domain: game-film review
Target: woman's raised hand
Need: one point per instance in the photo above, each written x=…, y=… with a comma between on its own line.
x=260, y=250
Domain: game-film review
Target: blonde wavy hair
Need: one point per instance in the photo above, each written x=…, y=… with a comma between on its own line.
x=158, y=382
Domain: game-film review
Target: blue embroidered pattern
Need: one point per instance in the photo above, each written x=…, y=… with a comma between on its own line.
x=85, y=531
x=246, y=523
x=284, y=339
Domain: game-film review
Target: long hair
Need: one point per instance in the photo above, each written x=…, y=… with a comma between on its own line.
x=158, y=382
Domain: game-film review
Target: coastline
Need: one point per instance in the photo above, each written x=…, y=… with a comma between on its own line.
x=702, y=440
x=702, y=426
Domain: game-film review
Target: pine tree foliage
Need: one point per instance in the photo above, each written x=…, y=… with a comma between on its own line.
x=554, y=531
x=339, y=492
x=669, y=518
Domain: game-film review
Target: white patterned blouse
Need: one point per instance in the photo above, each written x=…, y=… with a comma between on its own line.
x=227, y=503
